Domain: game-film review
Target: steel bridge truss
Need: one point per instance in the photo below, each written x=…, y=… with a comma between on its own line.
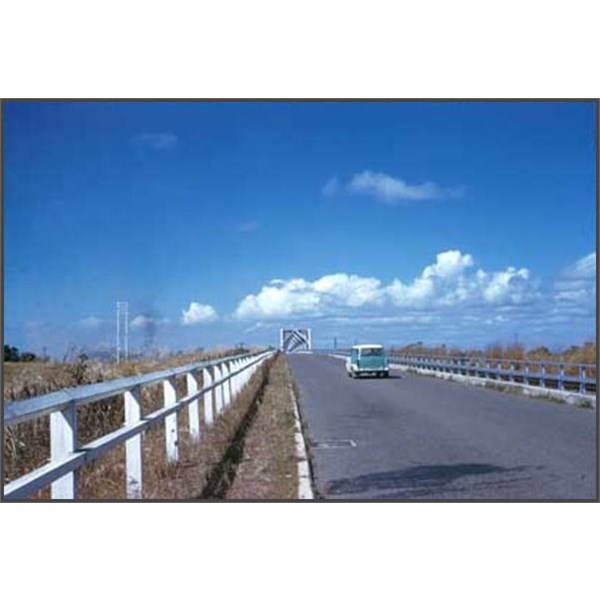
x=295, y=340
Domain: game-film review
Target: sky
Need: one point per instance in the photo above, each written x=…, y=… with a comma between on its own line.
x=458, y=223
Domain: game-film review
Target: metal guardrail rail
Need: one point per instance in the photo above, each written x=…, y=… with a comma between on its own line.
x=562, y=376
x=222, y=381
x=538, y=373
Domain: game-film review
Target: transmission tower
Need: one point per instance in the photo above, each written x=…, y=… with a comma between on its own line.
x=122, y=317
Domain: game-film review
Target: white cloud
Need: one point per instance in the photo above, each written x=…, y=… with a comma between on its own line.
x=410, y=319
x=146, y=321
x=198, y=313
x=350, y=290
x=511, y=285
x=447, y=283
x=91, y=322
x=449, y=264
x=577, y=285
x=280, y=299
x=584, y=268
x=157, y=140
x=388, y=189
x=141, y=321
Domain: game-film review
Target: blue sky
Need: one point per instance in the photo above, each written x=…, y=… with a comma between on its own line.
x=459, y=223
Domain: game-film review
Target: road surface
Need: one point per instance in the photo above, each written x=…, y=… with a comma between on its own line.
x=415, y=437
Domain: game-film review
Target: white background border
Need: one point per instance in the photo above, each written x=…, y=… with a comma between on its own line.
x=303, y=49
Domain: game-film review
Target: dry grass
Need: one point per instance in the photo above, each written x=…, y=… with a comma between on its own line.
x=189, y=477
x=584, y=354
x=269, y=469
x=27, y=446
x=258, y=427
x=24, y=380
x=516, y=356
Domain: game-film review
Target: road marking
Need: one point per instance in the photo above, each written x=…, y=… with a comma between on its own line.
x=334, y=444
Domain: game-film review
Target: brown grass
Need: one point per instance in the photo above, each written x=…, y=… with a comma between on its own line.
x=188, y=478
x=27, y=446
x=584, y=354
x=516, y=356
x=266, y=468
x=269, y=468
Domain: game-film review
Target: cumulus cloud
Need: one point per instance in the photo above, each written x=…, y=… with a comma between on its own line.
x=577, y=284
x=449, y=282
x=280, y=299
x=198, y=313
x=157, y=140
x=388, y=189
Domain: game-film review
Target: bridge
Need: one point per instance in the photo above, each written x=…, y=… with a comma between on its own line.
x=295, y=340
x=408, y=436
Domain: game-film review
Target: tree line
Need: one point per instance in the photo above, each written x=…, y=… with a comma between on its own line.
x=12, y=354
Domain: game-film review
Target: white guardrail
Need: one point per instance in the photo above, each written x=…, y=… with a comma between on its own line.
x=543, y=374
x=222, y=381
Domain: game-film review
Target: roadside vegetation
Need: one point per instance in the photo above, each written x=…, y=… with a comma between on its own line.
x=248, y=452
x=27, y=445
x=516, y=353
x=268, y=467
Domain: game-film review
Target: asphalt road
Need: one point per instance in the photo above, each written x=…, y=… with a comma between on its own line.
x=415, y=437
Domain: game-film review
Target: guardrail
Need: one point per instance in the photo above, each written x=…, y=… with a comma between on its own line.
x=222, y=381
x=562, y=376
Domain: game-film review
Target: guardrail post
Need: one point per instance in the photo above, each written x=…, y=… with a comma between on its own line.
x=512, y=372
x=193, y=415
x=542, y=375
x=561, y=377
x=234, y=379
x=245, y=372
x=232, y=393
x=240, y=377
x=63, y=441
x=248, y=371
x=208, y=397
x=582, y=380
x=134, y=455
x=243, y=366
x=171, y=434
x=226, y=385
x=526, y=374
x=218, y=389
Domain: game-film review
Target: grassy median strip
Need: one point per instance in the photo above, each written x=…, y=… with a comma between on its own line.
x=268, y=469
